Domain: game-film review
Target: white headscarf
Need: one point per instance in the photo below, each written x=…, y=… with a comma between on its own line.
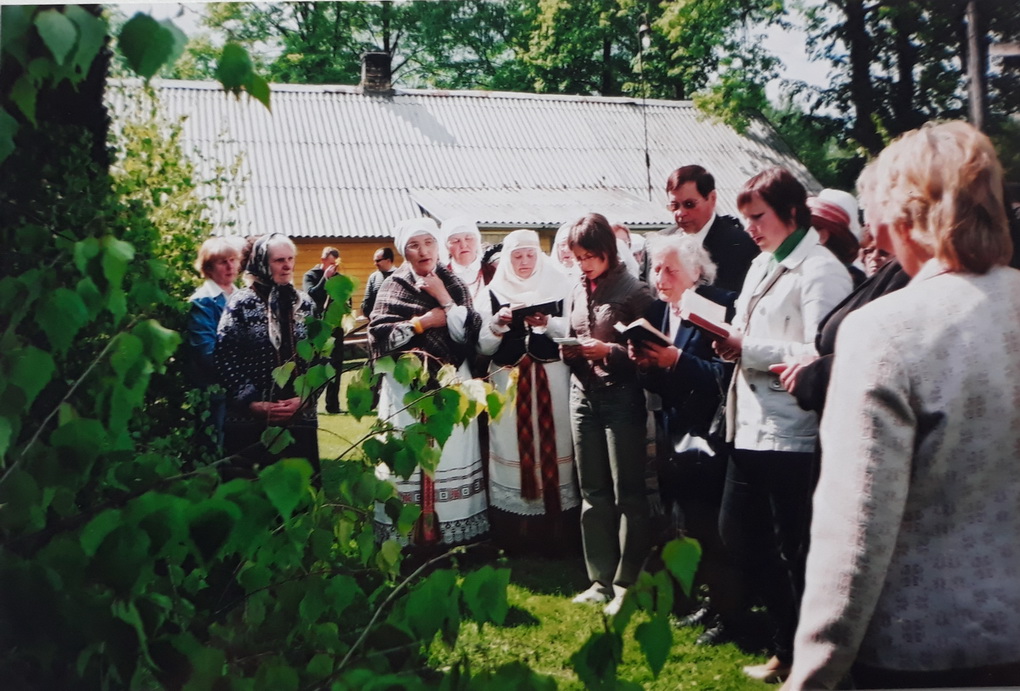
x=407, y=229
x=462, y=224
x=562, y=235
x=543, y=285
x=848, y=203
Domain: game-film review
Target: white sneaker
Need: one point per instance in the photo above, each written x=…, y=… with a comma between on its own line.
x=596, y=593
x=614, y=605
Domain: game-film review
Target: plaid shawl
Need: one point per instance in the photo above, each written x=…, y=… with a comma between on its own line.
x=399, y=300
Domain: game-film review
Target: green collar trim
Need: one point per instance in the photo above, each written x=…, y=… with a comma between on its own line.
x=789, y=244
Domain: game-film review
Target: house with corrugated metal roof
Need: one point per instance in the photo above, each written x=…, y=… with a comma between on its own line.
x=341, y=165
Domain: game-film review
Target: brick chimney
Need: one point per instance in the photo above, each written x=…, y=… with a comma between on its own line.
x=375, y=73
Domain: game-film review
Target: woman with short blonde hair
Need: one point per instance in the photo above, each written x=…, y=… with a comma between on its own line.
x=912, y=574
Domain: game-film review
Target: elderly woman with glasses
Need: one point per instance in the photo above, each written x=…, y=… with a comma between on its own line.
x=912, y=575
x=258, y=332
x=423, y=308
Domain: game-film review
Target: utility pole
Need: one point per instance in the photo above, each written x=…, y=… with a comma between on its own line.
x=977, y=64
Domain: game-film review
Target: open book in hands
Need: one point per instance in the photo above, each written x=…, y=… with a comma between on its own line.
x=553, y=308
x=641, y=331
x=705, y=314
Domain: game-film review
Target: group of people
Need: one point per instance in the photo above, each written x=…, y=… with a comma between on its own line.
x=882, y=546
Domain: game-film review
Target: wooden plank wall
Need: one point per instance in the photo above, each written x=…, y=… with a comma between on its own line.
x=355, y=259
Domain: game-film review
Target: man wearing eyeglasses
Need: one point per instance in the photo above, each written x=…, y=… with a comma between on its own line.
x=695, y=476
x=690, y=196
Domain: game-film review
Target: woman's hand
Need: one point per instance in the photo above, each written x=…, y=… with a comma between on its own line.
x=594, y=349
x=660, y=356
x=639, y=356
x=433, y=319
x=503, y=317
x=729, y=348
x=571, y=353
x=275, y=411
x=434, y=286
x=789, y=372
x=537, y=320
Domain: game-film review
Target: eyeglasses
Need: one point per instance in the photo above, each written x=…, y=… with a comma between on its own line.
x=686, y=204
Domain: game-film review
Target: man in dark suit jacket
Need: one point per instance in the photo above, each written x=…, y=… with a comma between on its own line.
x=691, y=196
x=315, y=285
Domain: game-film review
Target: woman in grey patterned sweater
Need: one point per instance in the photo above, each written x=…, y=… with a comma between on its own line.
x=913, y=578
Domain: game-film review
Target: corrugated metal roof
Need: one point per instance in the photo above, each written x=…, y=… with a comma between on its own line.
x=331, y=161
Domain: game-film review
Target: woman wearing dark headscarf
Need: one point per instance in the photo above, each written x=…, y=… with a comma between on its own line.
x=423, y=308
x=258, y=332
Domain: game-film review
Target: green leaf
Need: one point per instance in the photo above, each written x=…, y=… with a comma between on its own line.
x=234, y=68
x=282, y=374
x=433, y=605
x=255, y=577
x=359, y=399
x=8, y=129
x=126, y=355
x=15, y=25
x=656, y=639
x=21, y=502
x=495, y=402
x=210, y=524
x=117, y=255
x=681, y=557
x=5, y=438
x=276, y=439
x=385, y=365
x=388, y=558
x=23, y=94
x=180, y=40
x=91, y=37
x=313, y=604
x=320, y=666
x=258, y=88
x=596, y=662
x=159, y=341
x=485, y=594
x=146, y=44
x=276, y=677
x=61, y=315
x=407, y=369
x=57, y=32
x=409, y=513
x=96, y=530
x=128, y=613
x=31, y=370
x=340, y=593
x=286, y=483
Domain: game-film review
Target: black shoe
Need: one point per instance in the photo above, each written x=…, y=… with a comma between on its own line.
x=717, y=634
x=700, y=617
x=332, y=411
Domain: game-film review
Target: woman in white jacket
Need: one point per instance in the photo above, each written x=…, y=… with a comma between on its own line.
x=766, y=509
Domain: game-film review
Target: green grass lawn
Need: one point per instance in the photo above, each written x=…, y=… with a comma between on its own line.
x=544, y=628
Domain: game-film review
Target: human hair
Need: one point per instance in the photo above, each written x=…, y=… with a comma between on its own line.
x=330, y=252
x=702, y=179
x=281, y=240
x=782, y=192
x=212, y=251
x=593, y=233
x=688, y=250
x=387, y=253
x=944, y=182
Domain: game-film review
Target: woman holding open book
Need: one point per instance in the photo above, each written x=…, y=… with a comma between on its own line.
x=686, y=381
x=533, y=492
x=766, y=511
x=607, y=411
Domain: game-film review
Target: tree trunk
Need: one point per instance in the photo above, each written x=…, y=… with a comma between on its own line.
x=977, y=63
x=862, y=91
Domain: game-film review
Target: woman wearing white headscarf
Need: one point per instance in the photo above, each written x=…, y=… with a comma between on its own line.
x=532, y=485
x=464, y=245
x=423, y=308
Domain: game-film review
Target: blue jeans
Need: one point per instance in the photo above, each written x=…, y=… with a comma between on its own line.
x=608, y=427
